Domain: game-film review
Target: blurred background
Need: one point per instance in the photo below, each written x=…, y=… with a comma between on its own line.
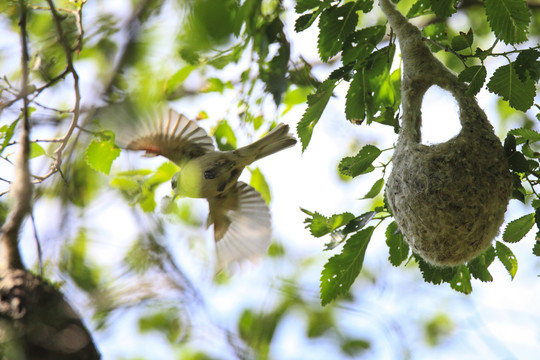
x=140, y=270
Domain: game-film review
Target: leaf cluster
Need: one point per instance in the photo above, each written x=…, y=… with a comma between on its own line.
x=374, y=95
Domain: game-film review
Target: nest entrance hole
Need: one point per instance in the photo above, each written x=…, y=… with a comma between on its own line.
x=440, y=116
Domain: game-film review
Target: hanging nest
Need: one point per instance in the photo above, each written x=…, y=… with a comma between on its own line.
x=448, y=199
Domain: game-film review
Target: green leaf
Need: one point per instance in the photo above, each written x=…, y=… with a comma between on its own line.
x=36, y=150
x=527, y=65
x=443, y=8
x=101, y=152
x=435, y=274
x=259, y=183
x=361, y=162
x=419, y=8
x=478, y=266
x=529, y=135
x=164, y=321
x=342, y=269
x=273, y=74
x=305, y=5
x=375, y=189
x=360, y=44
x=517, y=229
x=508, y=258
x=359, y=222
x=295, y=96
x=462, y=280
x=462, y=41
x=509, y=19
x=399, y=249
x=320, y=225
x=178, y=78
x=518, y=162
x=356, y=99
x=305, y=21
x=475, y=76
x=6, y=133
x=335, y=25
x=536, y=248
x=507, y=84
x=316, y=105
x=225, y=137
x=436, y=32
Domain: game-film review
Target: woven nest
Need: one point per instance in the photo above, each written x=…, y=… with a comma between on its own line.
x=448, y=199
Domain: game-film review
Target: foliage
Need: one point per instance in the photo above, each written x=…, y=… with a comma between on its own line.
x=241, y=47
x=374, y=94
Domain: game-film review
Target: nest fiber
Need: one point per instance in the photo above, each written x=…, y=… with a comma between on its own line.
x=448, y=199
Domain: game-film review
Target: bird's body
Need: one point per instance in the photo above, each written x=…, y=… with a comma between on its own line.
x=240, y=216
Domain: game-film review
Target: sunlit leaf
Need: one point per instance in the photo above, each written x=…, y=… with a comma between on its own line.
x=342, y=269
x=507, y=257
x=375, y=189
x=320, y=225
x=225, y=137
x=316, y=105
x=335, y=25
x=258, y=181
x=101, y=152
x=462, y=280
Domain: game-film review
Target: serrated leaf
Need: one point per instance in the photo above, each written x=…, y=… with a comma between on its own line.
x=342, y=269
x=435, y=274
x=529, y=135
x=462, y=41
x=335, y=25
x=398, y=247
x=305, y=5
x=258, y=181
x=316, y=105
x=475, y=76
x=462, y=280
x=443, y=8
x=101, y=152
x=517, y=229
x=509, y=19
x=536, y=248
x=361, y=162
x=527, y=65
x=320, y=225
x=360, y=44
x=375, y=189
x=507, y=84
x=507, y=257
x=478, y=266
x=356, y=99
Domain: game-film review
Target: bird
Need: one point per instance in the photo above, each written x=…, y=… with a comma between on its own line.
x=241, y=218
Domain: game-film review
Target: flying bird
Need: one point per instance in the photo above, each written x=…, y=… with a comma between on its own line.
x=241, y=218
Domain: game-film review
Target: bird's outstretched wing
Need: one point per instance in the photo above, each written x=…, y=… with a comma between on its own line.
x=174, y=136
x=242, y=226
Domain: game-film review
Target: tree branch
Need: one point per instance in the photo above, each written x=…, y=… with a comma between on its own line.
x=21, y=188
